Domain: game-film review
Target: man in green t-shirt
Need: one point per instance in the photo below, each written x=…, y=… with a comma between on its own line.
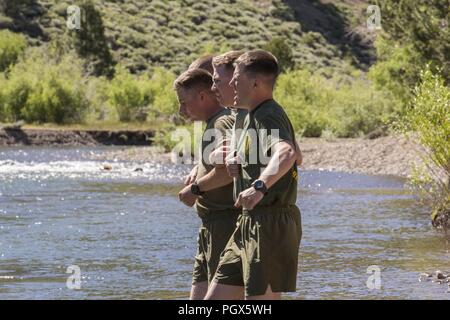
x=223, y=73
x=212, y=189
x=205, y=63
x=261, y=257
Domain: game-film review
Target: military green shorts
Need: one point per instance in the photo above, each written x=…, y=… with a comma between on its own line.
x=263, y=250
x=213, y=235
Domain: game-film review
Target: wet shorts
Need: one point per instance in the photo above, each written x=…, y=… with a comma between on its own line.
x=262, y=251
x=213, y=235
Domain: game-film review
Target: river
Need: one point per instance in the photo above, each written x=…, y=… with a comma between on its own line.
x=131, y=238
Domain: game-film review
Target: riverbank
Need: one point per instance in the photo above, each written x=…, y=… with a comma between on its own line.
x=61, y=137
x=389, y=155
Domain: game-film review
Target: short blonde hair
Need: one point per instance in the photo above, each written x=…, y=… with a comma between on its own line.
x=227, y=59
x=259, y=62
x=204, y=63
x=194, y=78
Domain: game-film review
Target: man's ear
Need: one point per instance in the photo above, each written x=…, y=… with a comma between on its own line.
x=256, y=82
x=202, y=95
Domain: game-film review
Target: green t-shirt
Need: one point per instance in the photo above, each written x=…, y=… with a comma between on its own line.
x=216, y=130
x=264, y=126
x=240, y=115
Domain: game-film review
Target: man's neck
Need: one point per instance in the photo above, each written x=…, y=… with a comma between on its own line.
x=212, y=111
x=256, y=102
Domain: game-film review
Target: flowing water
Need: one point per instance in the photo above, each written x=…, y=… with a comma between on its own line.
x=131, y=237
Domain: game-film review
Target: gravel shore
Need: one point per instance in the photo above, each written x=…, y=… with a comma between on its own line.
x=389, y=155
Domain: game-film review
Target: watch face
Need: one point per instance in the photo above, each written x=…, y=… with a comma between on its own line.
x=195, y=189
x=258, y=184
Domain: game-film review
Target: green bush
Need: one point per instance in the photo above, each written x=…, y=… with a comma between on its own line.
x=130, y=95
x=2, y=104
x=397, y=69
x=55, y=93
x=315, y=104
x=12, y=45
x=97, y=94
x=16, y=92
x=311, y=38
x=428, y=119
x=90, y=41
x=282, y=11
x=181, y=139
x=165, y=102
x=358, y=108
x=423, y=27
x=279, y=47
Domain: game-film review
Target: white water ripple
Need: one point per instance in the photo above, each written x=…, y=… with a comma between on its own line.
x=11, y=169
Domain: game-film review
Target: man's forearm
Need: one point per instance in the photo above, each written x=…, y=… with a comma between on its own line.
x=281, y=162
x=299, y=155
x=216, y=178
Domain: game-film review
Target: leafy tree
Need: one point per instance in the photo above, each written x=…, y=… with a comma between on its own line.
x=130, y=95
x=428, y=118
x=415, y=33
x=90, y=40
x=55, y=93
x=12, y=45
x=421, y=23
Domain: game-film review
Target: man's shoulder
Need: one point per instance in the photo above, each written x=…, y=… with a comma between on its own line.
x=269, y=110
x=224, y=119
x=241, y=113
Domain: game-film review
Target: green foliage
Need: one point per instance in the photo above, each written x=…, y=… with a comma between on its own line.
x=397, y=71
x=129, y=95
x=165, y=102
x=315, y=104
x=416, y=37
x=100, y=110
x=429, y=116
x=281, y=11
x=183, y=140
x=90, y=40
x=278, y=47
x=12, y=45
x=144, y=35
x=312, y=38
x=428, y=119
x=423, y=25
x=163, y=138
x=2, y=103
x=55, y=93
x=415, y=34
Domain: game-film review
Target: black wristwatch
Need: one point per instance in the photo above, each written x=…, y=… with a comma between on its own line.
x=195, y=189
x=259, y=185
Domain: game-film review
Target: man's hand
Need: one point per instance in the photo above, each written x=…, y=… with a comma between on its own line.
x=190, y=178
x=234, y=166
x=248, y=198
x=187, y=197
x=219, y=155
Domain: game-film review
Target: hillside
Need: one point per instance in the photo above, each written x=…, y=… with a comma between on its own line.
x=171, y=33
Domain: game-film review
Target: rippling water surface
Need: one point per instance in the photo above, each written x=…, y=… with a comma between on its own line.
x=131, y=238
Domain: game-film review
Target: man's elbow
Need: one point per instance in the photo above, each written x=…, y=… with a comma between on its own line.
x=292, y=154
x=288, y=152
